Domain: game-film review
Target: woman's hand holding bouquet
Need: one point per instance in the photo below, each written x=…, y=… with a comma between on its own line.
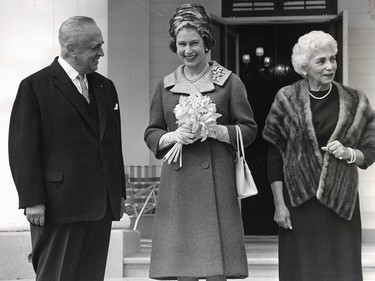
x=183, y=135
x=196, y=118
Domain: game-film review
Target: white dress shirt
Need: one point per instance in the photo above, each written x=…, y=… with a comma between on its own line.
x=72, y=73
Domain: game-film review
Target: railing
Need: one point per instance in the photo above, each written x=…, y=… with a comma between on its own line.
x=259, y=8
x=141, y=190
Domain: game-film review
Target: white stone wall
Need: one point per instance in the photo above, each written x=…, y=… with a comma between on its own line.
x=361, y=74
x=129, y=63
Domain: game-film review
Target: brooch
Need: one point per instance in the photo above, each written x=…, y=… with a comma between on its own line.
x=217, y=73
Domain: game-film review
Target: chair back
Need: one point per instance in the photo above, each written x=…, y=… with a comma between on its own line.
x=141, y=180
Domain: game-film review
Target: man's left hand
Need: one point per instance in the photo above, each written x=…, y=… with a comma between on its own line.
x=36, y=214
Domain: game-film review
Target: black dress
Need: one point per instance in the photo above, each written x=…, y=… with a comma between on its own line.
x=322, y=246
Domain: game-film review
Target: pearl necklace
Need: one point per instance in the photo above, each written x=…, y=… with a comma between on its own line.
x=199, y=76
x=320, y=98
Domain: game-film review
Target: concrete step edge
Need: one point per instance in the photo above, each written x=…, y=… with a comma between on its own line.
x=250, y=261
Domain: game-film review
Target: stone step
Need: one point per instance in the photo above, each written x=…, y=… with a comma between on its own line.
x=259, y=267
x=139, y=267
x=261, y=257
x=262, y=260
x=261, y=253
x=148, y=279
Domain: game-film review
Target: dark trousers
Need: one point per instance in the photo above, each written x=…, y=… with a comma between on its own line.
x=71, y=252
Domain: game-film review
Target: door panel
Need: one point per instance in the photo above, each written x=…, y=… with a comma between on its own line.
x=225, y=50
x=338, y=28
x=218, y=50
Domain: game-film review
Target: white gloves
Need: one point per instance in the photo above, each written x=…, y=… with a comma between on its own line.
x=220, y=133
x=181, y=135
x=184, y=136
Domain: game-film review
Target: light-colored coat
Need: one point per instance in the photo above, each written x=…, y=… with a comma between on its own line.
x=198, y=229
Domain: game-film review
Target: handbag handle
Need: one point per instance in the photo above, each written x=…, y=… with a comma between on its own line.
x=240, y=147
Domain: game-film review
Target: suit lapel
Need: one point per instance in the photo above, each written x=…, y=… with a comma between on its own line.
x=100, y=93
x=66, y=86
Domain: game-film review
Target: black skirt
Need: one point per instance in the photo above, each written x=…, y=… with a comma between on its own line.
x=322, y=246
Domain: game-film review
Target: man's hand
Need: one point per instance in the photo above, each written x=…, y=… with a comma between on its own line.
x=36, y=214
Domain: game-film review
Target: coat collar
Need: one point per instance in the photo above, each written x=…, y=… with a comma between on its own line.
x=67, y=88
x=217, y=75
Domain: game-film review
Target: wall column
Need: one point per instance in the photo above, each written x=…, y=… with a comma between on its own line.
x=128, y=67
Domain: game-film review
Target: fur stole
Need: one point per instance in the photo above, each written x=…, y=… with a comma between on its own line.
x=306, y=172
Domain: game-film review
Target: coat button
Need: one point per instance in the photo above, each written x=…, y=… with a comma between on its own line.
x=176, y=166
x=205, y=165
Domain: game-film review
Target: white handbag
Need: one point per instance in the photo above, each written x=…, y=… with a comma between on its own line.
x=244, y=180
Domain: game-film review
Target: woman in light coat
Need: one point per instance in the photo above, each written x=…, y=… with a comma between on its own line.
x=198, y=230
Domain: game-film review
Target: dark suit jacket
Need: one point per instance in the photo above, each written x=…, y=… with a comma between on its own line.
x=58, y=156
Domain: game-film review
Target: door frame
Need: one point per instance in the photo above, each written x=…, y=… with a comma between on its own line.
x=226, y=25
x=226, y=31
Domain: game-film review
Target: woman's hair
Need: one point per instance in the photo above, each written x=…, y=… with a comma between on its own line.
x=191, y=16
x=307, y=45
x=70, y=31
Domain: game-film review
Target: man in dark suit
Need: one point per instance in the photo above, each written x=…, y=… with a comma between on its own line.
x=66, y=158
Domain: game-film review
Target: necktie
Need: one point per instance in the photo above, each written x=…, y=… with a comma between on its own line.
x=85, y=91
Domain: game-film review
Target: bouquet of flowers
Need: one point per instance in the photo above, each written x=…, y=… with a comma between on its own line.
x=199, y=113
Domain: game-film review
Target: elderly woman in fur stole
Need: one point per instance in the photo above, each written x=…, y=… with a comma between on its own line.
x=320, y=132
